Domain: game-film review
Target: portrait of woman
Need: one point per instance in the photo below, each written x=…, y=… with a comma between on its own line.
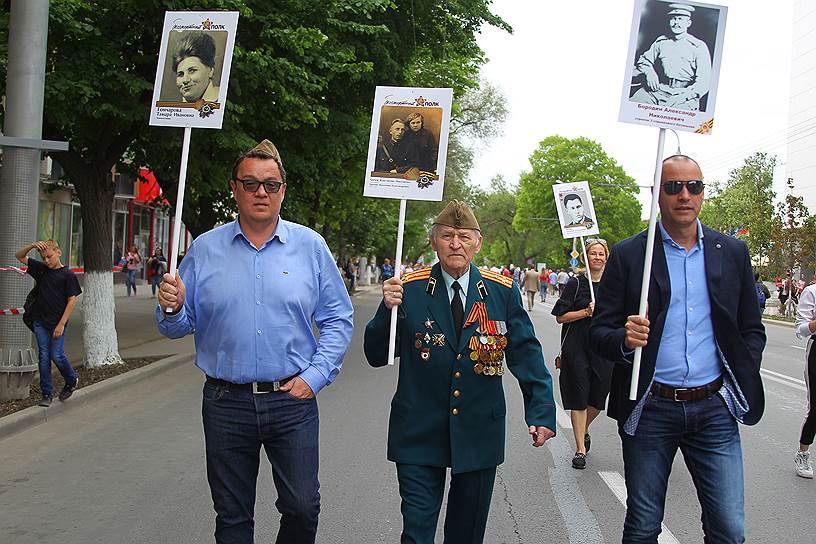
x=422, y=143
x=194, y=65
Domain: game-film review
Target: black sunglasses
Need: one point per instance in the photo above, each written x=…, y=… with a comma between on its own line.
x=694, y=186
x=270, y=186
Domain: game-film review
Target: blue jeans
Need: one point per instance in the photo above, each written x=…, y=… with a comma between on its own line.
x=236, y=425
x=131, y=281
x=52, y=349
x=155, y=280
x=707, y=435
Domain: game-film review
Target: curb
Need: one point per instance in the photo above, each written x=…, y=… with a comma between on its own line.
x=779, y=323
x=37, y=415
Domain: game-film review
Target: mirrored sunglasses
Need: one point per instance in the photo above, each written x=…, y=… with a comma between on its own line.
x=694, y=186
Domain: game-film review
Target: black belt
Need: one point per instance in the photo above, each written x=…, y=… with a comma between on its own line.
x=687, y=394
x=254, y=387
x=679, y=83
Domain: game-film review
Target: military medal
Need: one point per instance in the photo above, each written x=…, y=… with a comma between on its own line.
x=425, y=354
x=478, y=368
x=429, y=323
x=438, y=339
x=500, y=371
x=474, y=356
x=418, y=344
x=427, y=338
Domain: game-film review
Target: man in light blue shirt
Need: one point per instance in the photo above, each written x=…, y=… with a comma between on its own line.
x=699, y=376
x=250, y=291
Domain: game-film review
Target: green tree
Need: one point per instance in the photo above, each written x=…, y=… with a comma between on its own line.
x=562, y=160
x=791, y=235
x=745, y=201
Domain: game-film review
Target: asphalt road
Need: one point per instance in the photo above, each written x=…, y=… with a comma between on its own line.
x=129, y=467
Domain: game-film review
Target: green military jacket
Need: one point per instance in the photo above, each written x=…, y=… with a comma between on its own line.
x=444, y=413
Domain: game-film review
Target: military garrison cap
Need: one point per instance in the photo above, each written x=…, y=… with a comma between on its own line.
x=457, y=215
x=681, y=9
x=269, y=148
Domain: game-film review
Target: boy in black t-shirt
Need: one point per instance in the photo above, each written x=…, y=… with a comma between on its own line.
x=58, y=289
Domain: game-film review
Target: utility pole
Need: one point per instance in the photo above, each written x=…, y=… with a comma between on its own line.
x=19, y=182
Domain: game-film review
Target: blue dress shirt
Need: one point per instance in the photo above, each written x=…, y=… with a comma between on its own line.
x=251, y=309
x=464, y=282
x=688, y=355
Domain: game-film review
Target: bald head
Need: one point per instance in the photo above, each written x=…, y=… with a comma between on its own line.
x=680, y=161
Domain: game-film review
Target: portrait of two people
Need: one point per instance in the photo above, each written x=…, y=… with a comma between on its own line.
x=408, y=142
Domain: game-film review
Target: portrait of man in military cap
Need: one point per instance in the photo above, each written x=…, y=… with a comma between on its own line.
x=673, y=61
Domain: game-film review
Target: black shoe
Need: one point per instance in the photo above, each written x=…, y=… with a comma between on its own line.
x=46, y=401
x=579, y=461
x=587, y=441
x=68, y=390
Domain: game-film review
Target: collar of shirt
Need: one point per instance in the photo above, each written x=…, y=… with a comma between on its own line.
x=669, y=240
x=281, y=232
x=464, y=281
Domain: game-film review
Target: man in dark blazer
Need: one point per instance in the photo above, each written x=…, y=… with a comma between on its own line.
x=457, y=328
x=702, y=346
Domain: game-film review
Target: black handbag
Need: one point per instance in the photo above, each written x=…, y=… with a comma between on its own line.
x=28, y=317
x=569, y=326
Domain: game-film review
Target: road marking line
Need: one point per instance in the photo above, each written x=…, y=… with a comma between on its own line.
x=803, y=348
x=562, y=417
x=783, y=379
x=617, y=485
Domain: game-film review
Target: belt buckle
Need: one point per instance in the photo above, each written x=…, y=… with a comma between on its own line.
x=675, y=393
x=255, y=390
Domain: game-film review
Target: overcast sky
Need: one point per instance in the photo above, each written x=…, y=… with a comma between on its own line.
x=562, y=70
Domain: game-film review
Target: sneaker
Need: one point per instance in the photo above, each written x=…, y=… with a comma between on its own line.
x=579, y=461
x=801, y=461
x=68, y=390
x=587, y=441
x=46, y=401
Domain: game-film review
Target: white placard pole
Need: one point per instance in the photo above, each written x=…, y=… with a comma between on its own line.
x=392, y=333
x=185, y=153
x=647, y=263
x=589, y=274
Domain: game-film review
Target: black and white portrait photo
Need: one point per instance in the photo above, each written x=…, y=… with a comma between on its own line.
x=193, y=66
x=576, y=212
x=193, y=69
x=674, y=60
x=407, y=148
x=408, y=141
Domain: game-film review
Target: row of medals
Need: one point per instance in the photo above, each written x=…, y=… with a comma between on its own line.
x=488, y=349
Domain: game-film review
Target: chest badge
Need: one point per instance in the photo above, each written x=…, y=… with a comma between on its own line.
x=429, y=323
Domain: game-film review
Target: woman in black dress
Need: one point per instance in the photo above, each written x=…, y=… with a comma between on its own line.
x=421, y=142
x=584, y=377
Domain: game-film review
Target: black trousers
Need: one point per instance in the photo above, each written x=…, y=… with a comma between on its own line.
x=422, y=488
x=809, y=425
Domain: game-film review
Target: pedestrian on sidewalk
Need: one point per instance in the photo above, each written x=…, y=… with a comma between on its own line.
x=449, y=407
x=699, y=375
x=57, y=291
x=543, y=281
x=530, y=282
x=806, y=328
x=249, y=291
x=584, y=376
x=157, y=266
x=134, y=264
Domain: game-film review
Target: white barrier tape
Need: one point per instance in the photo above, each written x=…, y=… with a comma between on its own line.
x=12, y=269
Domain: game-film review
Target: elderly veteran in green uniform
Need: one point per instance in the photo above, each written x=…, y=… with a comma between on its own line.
x=677, y=68
x=459, y=328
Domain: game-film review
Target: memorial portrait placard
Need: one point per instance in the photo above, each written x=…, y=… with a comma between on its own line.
x=408, y=143
x=576, y=212
x=673, y=65
x=192, y=75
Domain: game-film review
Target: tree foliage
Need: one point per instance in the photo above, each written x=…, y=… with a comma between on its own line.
x=793, y=235
x=746, y=200
x=562, y=160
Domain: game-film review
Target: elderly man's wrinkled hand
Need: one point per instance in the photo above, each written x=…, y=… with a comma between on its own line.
x=392, y=292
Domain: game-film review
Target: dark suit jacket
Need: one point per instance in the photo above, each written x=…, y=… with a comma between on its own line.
x=735, y=315
x=422, y=428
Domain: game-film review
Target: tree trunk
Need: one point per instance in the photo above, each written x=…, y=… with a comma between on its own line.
x=99, y=340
